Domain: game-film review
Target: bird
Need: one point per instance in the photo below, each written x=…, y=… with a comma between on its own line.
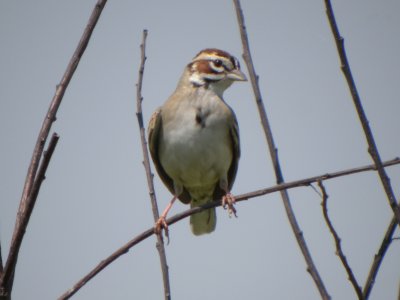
x=194, y=139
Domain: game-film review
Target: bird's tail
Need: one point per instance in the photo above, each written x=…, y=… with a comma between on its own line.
x=205, y=221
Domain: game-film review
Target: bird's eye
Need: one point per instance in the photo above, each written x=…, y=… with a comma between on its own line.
x=218, y=63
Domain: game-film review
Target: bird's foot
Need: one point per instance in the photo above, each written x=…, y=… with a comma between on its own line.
x=228, y=201
x=159, y=226
x=162, y=223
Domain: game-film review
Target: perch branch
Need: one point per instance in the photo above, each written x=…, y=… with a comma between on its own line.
x=337, y=239
x=144, y=235
x=372, y=148
x=387, y=240
x=311, y=268
x=146, y=162
x=19, y=229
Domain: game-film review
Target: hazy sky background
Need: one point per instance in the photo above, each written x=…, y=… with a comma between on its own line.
x=95, y=196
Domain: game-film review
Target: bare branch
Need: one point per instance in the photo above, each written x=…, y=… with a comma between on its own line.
x=124, y=249
x=149, y=176
x=9, y=269
x=309, y=180
x=41, y=174
x=311, y=268
x=26, y=198
x=3, y=293
x=104, y=263
x=398, y=295
x=337, y=239
x=298, y=183
x=372, y=148
x=1, y=263
x=387, y=240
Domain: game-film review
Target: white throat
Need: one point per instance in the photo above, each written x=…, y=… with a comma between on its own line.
x=218, y=86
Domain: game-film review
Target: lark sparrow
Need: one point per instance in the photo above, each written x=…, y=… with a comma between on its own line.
x=194, y=138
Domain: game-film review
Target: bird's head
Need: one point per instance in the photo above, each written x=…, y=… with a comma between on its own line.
x=215, y=69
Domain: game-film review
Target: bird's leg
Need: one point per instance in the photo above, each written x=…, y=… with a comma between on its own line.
x=228, y=201
x=161, y=222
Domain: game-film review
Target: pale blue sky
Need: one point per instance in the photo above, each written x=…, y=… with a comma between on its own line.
x=95, y=197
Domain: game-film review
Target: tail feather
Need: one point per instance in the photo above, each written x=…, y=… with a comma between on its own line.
x=203, y=222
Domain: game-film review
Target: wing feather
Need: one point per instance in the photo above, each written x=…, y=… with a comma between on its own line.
x=154, y=134
x=235, y=142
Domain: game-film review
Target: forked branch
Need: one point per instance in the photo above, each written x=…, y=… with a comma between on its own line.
x=372, y=148
x=144, y=235
x=338, y=243
x=27, y=198
x=377, y=262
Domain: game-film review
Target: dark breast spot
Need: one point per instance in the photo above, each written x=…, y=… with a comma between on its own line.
x=200, y=118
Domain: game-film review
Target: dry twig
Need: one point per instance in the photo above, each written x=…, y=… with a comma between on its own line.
x=398, y=295
x=1, y=262
x=27, y=198
x=40, y=177
x=337, y=239
x=149, y=176
x=372, y=148
x=311, y=268
x=104, y=263
x=387, y=240
x=144, y=235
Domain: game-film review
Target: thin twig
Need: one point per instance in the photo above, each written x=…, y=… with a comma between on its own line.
x=289, y=185
x=311, y=268
x=372, y=148
x=373, y=151
x=338, y=245
x=149, y=176
x=26, y=198
x=1, y=262
x=387, y=240
x=104, y=263
x=309, y=180
x=40, y=177
x=398, y=295
x=41, y=174
x=3, y=294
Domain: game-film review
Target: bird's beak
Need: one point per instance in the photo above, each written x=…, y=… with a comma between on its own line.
x=237, y=75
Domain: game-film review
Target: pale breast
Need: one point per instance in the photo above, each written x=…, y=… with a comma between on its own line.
x=196, y=149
